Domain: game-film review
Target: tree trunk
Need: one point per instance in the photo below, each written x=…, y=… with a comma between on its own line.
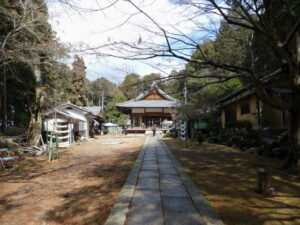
x=35, y=126
x=34, y=132
x=291, y=160
x=292, y=157
x=4, y=105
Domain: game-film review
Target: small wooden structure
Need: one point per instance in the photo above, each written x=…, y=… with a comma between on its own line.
x=68, y=123
x=151, y=108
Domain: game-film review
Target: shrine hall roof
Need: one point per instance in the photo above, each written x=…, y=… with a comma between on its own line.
x=141, y=102
x=148, y=104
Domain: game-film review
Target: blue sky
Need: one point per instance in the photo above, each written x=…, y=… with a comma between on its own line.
x=95, y=28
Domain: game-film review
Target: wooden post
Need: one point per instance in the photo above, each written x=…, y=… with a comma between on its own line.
x=262, y=181
x=141, y=121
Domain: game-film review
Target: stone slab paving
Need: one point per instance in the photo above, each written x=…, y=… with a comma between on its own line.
x=163, y=194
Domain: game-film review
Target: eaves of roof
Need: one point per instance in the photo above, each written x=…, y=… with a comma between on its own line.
x=161, y=92
x=148, y=104
x=270, y=77
x=66, y=113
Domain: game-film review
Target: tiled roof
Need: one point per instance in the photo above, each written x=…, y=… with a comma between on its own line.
x=149, y=104
x=93, y=109
x=140, y=102
x=66, y=113
x=276, y=74
x=161, y=92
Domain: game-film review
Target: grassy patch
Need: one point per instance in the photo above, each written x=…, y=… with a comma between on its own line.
x=227, y=177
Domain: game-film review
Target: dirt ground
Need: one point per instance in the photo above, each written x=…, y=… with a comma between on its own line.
x=79, y=188
x=228, y=179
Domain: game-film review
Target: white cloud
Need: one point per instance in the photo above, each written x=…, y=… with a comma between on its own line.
x=96, y=28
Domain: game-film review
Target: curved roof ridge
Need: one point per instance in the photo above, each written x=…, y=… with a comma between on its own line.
x=161, y=92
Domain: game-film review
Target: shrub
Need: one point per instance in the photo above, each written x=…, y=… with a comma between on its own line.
x=167, y=134
x=105, y=131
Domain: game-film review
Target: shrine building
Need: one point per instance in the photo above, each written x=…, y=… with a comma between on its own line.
x=151, y=108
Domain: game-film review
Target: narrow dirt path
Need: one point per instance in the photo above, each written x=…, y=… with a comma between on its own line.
x=79, y=188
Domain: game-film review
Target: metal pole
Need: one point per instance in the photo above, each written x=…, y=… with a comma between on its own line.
x=186, y=123
x=185, y=94
x=102, y=101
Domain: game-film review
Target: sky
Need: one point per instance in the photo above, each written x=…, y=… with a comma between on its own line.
x=86, y=26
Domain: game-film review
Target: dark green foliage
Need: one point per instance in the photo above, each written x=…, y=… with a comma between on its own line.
x=105, y=130
x=149, y=79
x=131, y=85
x=61, y=84
x=31, y=78
x=78, y=82
x=98, y=88
x=20, y=93
x=232, y=44
x=112, y=114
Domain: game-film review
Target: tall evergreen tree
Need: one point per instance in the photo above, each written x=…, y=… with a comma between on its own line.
x=131, y=85
x=79, y=96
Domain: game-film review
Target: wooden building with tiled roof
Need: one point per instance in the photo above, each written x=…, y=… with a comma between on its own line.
x=151, y=108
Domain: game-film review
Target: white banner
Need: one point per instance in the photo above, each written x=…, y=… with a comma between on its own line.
x=182, y=129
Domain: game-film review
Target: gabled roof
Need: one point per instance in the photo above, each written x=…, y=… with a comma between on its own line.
x=142, y=102
x=93, y=109
x=66, y=113
x=161, y=92
x=63, y=110
x=69, y=104
x=248, y=89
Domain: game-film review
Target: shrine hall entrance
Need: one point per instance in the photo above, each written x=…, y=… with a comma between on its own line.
x=150, y=121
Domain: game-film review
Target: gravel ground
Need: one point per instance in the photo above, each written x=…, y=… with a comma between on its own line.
x=79, y=188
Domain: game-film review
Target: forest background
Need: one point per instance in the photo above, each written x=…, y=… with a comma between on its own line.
x=34, y=77
x=252, y=39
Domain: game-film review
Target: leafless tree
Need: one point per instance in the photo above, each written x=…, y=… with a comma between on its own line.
x=276, y=22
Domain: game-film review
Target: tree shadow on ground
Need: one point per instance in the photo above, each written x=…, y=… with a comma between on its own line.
x=91, y=204
x=228, y=178
x=98, y=180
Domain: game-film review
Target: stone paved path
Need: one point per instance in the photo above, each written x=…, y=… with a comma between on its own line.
x=163, y=193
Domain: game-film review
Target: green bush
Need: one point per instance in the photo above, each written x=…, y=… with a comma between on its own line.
x=105, y=131
x=167, y=134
